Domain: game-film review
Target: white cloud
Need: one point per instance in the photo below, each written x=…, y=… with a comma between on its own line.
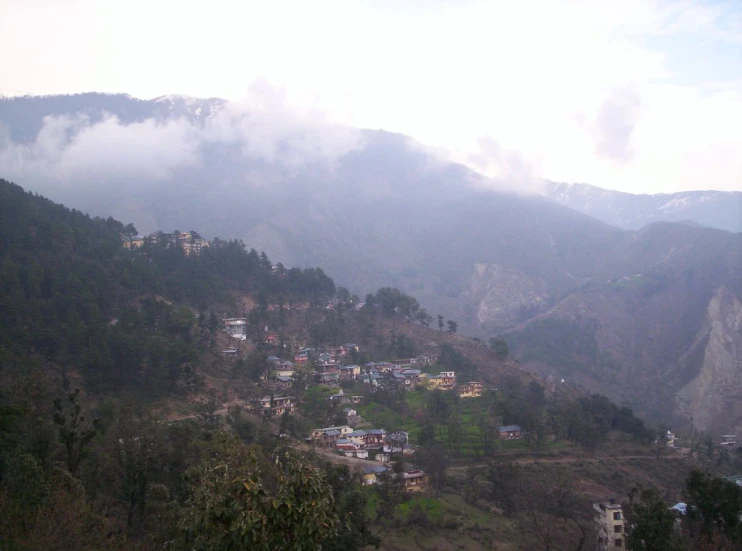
x=264, y=126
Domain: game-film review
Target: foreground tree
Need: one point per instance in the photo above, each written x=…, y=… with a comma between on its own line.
x=714, y=510
x=653, y=525
x=243, y=500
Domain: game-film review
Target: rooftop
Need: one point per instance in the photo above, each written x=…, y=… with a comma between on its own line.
x=510, y=428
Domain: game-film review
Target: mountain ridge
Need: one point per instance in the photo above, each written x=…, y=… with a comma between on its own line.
x=711, y=208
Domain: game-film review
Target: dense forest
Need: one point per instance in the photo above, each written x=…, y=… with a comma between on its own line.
x=72, y=295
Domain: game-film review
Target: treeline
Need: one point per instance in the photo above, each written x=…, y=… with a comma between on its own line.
x=586, y=420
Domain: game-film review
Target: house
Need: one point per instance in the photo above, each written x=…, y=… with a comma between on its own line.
x=271, y=339
x=470, y=390
x=446, y=380
x=328, y=379
x=282, y=369
x=383, y=367
x=351, y=346
x=329, y=438
x=415, y=480
x=371, y=474
x=235, y=327
x=383, y=457
x=356, y=399
x=422, y=359
x=132, y=242
x=611, y=529
x=327, y=358
x=343, y=445
x=343, y=429
x=358, y=453
x=350, y=372
x=283, y=383
x=407, y=382
x=367, y=438
x=193, y=245
x=372, y=377
x=511, y=432
x=274, y=405
x=729, y=440
x=340, y=397
x=231, y=351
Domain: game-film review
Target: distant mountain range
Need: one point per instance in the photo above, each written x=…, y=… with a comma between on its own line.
x=651, y=317
x=714, y=209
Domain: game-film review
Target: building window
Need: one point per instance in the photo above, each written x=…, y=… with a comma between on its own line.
x=619, y=543
x=617, y=528
x=616, y=516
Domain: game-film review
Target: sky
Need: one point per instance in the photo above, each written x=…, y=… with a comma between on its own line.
x=639, y=96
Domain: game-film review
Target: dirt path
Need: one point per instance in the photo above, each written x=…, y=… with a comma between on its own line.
x=532, y=460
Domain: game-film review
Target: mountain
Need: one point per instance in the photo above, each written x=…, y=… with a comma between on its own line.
x=659, y=327
x=714, y=209
x=23, y=117
x=575, y=294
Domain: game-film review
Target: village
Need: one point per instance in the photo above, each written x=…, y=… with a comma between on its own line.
x=329, y=367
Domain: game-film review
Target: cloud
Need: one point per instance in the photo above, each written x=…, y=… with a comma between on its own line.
x=269, y=126
x=70, y=151
x=615, y=123
x=508, y=170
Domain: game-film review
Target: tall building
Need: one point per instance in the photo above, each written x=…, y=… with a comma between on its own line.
x=611, y=526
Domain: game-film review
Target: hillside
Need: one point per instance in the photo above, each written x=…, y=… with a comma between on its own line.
x=658, y=328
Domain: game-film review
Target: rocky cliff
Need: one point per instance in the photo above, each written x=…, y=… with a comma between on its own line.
x=713, y=399
x=658, y=328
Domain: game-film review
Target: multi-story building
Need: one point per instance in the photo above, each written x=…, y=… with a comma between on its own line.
x=472, y=389
x=446, y=380
x=274, y=405
x=611, y=526
x=236, y=327
x=130, y=242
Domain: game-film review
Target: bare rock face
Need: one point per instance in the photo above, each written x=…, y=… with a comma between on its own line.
x=503, y=295
x=713, y=399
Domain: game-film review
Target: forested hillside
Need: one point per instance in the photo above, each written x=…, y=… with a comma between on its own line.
x=71, y=294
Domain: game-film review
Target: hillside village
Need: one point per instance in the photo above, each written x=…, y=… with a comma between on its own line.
x=329, y=367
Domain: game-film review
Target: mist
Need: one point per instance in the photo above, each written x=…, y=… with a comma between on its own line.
x=73, y=153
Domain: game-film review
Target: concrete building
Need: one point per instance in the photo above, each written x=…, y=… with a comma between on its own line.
x=610, y=525
x=472, y=389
